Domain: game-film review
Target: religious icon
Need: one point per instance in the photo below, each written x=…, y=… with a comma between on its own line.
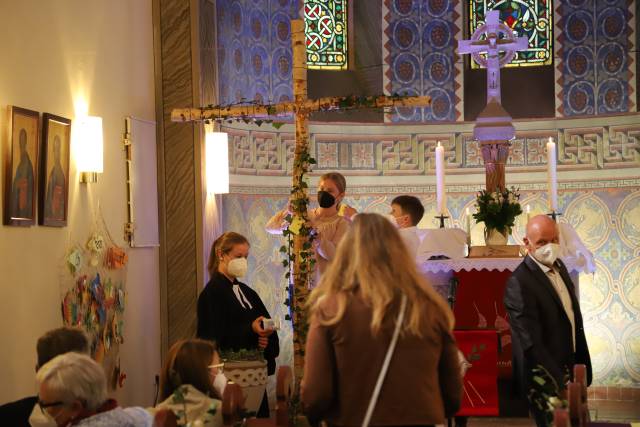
x=54, y=171
x=21, y=161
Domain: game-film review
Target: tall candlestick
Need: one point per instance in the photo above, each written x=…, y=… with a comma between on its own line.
x=552, y=177
x=440, y=195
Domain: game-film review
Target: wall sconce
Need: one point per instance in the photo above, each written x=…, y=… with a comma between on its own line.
x=217, y=158
x=88, y=146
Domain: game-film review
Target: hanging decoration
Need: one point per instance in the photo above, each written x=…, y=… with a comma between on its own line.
x=93, y=298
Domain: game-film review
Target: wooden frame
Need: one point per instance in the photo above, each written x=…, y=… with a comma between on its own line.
x=21, y=167
x=53, y=194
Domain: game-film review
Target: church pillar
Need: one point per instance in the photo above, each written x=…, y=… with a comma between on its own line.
x=177, y=61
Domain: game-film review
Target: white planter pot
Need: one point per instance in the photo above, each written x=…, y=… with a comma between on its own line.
x=251, y=375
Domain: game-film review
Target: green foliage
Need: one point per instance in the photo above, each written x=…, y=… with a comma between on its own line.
x=242, y=355
x=545, y=392
x=498, y=210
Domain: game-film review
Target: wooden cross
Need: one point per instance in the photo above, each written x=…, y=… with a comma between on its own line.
x=301, y=107
x=494, y=128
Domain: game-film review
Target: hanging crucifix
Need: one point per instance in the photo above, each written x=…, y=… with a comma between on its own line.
x=493, y=128
x=301, y=107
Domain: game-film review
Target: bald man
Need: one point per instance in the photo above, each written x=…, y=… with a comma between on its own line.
x=545, y=318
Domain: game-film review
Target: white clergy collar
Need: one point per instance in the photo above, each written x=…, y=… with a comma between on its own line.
x=241, y=297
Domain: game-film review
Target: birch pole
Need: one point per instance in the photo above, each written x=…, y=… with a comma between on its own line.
x=301, y=268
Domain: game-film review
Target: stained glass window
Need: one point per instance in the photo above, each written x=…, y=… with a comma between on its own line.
x=530, y=18
x=326, y=34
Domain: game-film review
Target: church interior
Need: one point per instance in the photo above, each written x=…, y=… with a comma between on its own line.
x=201, y=108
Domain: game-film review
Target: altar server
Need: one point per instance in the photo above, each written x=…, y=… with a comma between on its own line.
x=406, y=213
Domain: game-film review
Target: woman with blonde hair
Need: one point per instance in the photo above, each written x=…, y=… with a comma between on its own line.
x=330, y=219
x=191, y=372
x=380, y=348
x=232, y=314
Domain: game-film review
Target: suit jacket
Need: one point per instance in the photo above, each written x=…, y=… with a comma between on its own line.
x=540, y=329
x=222, y=319
x=16, y=414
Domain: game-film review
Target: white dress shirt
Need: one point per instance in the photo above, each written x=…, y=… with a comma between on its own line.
x=411, y=240
x=563, y=292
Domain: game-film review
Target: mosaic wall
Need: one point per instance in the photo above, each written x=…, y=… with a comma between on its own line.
x=254, y=49
x=608, y=221
x=595, y=57
x=609, y=143
x=418, y=51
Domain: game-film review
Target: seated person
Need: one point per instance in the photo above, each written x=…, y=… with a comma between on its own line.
x=73, y=391
x=26, y=412
x=406, y=213
x=192, y=370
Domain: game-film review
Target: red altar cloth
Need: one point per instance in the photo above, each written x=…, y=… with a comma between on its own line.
x=480, y=388
x=479, y=306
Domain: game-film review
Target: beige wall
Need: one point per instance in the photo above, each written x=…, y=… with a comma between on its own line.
x=52, y=53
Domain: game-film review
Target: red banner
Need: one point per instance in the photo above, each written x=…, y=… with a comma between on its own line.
x=480, y=383
x=479, y=306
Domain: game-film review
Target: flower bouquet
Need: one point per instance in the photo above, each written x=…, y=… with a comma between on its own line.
x=498, y=210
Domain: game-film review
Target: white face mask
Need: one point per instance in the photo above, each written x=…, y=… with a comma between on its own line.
x=237, y=267
x=219, y=383
x=547, y=254
x=393, y=220
x=39, y=419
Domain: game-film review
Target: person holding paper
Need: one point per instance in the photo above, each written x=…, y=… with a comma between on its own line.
x=230, y=312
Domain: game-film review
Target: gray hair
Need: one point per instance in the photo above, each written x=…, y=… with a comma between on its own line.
x=74, y=376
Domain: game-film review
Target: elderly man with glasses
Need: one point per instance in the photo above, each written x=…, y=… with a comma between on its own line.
x=73, y=391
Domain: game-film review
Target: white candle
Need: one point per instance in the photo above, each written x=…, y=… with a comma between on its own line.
x=468, y=225
x=528, y=213
x=552, y=177
x=440, y=195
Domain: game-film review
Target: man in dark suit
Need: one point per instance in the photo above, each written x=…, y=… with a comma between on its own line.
x=546, y=323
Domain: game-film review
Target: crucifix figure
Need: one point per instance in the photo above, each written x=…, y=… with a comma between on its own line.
x=493, y=128
x=301, y=107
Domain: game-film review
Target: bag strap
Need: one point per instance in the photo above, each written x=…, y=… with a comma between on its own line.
x=385, y=365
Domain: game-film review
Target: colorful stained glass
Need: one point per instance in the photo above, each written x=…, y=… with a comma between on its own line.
x=326, y=34
x=530, y=18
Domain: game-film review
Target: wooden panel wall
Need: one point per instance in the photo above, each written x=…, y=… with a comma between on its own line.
x=179, y=170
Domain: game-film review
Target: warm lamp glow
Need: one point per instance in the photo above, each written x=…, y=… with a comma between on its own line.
x=88, y=145
x=217, y=166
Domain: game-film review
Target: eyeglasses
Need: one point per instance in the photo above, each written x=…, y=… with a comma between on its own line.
x=44, y=405
x=218, y=366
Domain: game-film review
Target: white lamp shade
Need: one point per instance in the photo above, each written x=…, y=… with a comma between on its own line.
x=217, y=158
x=88, y=144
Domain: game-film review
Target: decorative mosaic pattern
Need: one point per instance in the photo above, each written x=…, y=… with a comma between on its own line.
x=254, y=49
x=326, y=25
x=406, y=153
x=530, y=18
x=419, y=58
x=595, y=57
x=608, y=221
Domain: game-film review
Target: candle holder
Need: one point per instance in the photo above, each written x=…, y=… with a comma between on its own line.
x=441, y=217
x=554, y=215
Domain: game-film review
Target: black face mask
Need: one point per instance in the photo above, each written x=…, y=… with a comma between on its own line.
x=326, y=199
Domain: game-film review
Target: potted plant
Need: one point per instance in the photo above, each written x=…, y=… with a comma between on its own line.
x=248, y=369
x=498, y=210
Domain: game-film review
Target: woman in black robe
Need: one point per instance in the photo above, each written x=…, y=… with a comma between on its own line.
x=230, y=312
